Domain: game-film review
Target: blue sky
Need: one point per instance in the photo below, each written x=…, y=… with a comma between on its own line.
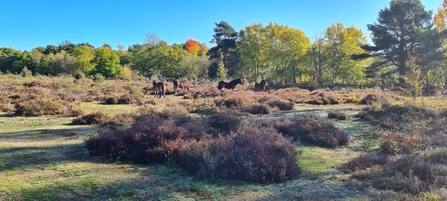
x=26, y=24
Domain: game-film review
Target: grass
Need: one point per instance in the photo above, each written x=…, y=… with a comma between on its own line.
x=108, y=109
x=45, y=164
x=11, y=123
x=317, y=159
x=39, y=161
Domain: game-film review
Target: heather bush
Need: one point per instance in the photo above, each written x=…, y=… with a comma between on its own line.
x=251, y=154
x=315, y=131
x=282, y=105
x=223, y=123
x=337, y=115
x=410, y=174
x=92, y=118
x=365, y=161
x=167, y=110
x=151, y=139
x=120, y=120
x=436, y=156
x=38, y=106
x=413, y=174
x=230, y=102
x=122, y=99
x=72, y=110
x=406, y=129
x=381, y=97
x=258, y=109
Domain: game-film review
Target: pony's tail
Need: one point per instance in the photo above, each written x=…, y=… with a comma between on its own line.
x=219, y=86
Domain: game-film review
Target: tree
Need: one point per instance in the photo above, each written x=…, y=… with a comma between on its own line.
x=106, y=62
x=253, y=48
x=396, y=36
x=317, y=57
x=341, y=44
x=440, y=21
x=274, y=51
x=84, y=55
x=7, y=57
x=440, y=18
x=192, y=47
x=160, y=59
x=60, y=63
x=287, y=52
x=193, y=68
x=225, y=51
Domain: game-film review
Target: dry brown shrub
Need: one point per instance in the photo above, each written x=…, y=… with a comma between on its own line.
x=364, y=162
x=72, y=110
x=38, y=107
x=253, y=154
x=337, y=115
x=166, y=108
x=293, y=94
x=97, y=118
x=315, y=131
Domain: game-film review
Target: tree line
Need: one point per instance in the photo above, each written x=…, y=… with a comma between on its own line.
x=408, y=49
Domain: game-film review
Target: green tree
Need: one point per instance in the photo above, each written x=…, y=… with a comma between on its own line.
x=157, y=59
x=7, y=57
x=274, y=51
x=84, y=55
x=341, y=44
x=317, y=57
x=396, y=36
x=253, y=51
x=440, y=67
x=61, y=63
x=37, y=59
x=21, y=61
x=193, y=68
x=106, y=62
x=225, y=50
x=288, y=47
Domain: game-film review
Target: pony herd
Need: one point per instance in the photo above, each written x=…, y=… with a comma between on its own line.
x=159, y=87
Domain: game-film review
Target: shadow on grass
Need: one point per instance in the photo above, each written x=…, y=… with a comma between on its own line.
x=37, y=148
x=48, y=134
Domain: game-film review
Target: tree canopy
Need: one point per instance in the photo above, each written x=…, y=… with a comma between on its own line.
x=402, y=32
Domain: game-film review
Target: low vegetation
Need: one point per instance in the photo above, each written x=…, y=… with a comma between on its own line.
x=207, y=138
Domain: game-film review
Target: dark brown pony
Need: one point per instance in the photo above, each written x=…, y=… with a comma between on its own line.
x=182, y=84
x=230, y=85
x=159, y=88
x=260, y=86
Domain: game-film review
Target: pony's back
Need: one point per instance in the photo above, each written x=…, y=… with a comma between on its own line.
x=220, y=85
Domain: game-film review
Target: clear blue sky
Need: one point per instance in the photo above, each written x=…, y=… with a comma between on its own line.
x=26, y=24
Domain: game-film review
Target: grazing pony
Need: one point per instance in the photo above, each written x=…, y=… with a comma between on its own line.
x=230, y=85
x=260, y=86
x=182, y=84
x=159, y=88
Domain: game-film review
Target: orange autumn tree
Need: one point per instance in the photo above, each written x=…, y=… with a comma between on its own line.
x=193, y=47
